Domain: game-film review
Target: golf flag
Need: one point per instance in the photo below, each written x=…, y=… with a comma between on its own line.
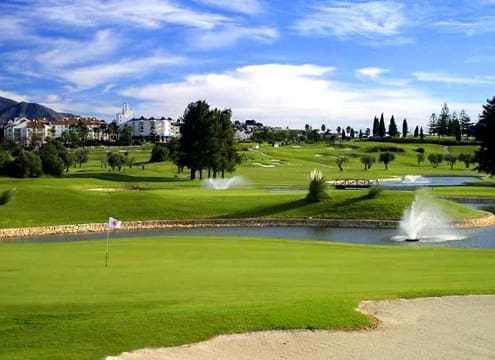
x=114, y=223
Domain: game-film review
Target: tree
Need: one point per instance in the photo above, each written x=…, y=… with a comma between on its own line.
x=207, y=140
x=323, y=128
x=443, y=121
x=386, y=158
x=392, y=127
x=421, y=134
x=456, y=130
x=317, y=187
x=420, y=158
x=435, y=159
x=381, y=127
x=485, y=133
x=353, y=133
x=159, y=153
x=466, y=124
x=26, y=164
x=343, y=134
x=467, y=159
x=405, y=130
x=416, y=131
x=81, y=156
x=376, y=125
x=341, y=159
x=126, y=135
x=115, y=160
x=451, y=159
x=433, y=124
x=367, y=160
x=52, y=164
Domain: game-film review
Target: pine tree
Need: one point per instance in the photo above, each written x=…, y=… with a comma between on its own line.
x=465, y=122
x=484, y=132
x=443, y=121
x=416, y=131
x=433, y=124
x=381, y=127
x=392, y=127
x=376, y=126
x=405, y=130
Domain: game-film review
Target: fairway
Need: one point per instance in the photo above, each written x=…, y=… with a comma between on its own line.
x=59, y=301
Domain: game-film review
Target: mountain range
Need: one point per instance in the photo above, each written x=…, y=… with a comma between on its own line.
x=10, y=109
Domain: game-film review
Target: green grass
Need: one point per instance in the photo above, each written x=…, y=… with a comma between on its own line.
x=59, y=301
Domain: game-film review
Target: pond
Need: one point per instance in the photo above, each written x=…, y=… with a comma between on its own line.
x=415, y=181
x=470, y=238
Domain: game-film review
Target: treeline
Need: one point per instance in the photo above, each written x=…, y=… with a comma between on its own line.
x=206, y=142
x=52, y=158
x=447, y=124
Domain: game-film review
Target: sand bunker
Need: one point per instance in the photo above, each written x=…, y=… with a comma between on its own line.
x=454, y=327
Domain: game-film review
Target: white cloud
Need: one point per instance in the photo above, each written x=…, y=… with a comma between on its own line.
x=371, y=72
x=90, y=76
x=229, y=35
x=13, y=96
x=62, y=52
x=288, y=95
x=241, y=6
x=483, y=24
x=349, y=19
x=145, y=14
x=450, y=79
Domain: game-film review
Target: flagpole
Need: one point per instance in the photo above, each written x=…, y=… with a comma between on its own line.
x=106, y=253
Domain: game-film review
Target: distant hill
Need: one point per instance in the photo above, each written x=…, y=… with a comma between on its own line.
x=10, y=109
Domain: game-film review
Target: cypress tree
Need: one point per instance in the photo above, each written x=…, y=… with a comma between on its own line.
x=404, y=128
x=381, y=127
x=392, y=127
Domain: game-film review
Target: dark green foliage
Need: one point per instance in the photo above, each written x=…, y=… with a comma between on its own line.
x=386, y=158
x=376, y=126
x=485, y=133
x=159, y=153
x=435, y=159
x=368, y=161
x=381, y=127
x=81, y=156
x=207, y=141
x=382, y=148
x=5, y=162
x=55, y=158
x=420, y=158
x=6, y=196
x=341, y=159
x=374, y=191
x=420, y=150
x=116, y=160
x=392, y=127
x=26, y=164
x=416, y=131
x=405, y=129
x=451, y=159
x=467, y=159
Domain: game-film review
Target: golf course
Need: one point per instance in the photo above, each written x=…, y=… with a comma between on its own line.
x=59, y=301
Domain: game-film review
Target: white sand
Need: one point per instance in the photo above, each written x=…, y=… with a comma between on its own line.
x=455, y=327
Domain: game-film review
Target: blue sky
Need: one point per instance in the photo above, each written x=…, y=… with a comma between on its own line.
x=284, y=63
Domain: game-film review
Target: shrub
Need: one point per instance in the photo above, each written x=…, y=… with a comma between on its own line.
x=317, y=187
x=386, y=158
x=367, y=160
x=159, y=153
x=26, y=164
x=6, y=196
x=374, y=191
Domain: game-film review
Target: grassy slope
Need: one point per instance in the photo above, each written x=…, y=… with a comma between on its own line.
x=70, y=200
x=156, y=292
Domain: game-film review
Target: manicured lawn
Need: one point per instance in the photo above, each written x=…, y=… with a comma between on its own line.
x=58, y=301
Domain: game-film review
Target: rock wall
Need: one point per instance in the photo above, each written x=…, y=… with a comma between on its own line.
x=196, y=223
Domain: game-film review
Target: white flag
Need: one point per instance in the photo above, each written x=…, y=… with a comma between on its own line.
x=114, y=223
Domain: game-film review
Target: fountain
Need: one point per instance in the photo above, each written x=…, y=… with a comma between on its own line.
x=414, y=179
x=424, y=220
x=224, y=184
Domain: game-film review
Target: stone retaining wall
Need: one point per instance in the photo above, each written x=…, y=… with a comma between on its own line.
x=197, y=223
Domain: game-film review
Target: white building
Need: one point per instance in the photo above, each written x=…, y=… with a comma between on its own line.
x=151, y=129
x=123, y=116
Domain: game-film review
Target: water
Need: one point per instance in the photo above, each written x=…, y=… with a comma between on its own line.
x=424, y=220
x=416, y=181
x=471, y=238
x=224, y=184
